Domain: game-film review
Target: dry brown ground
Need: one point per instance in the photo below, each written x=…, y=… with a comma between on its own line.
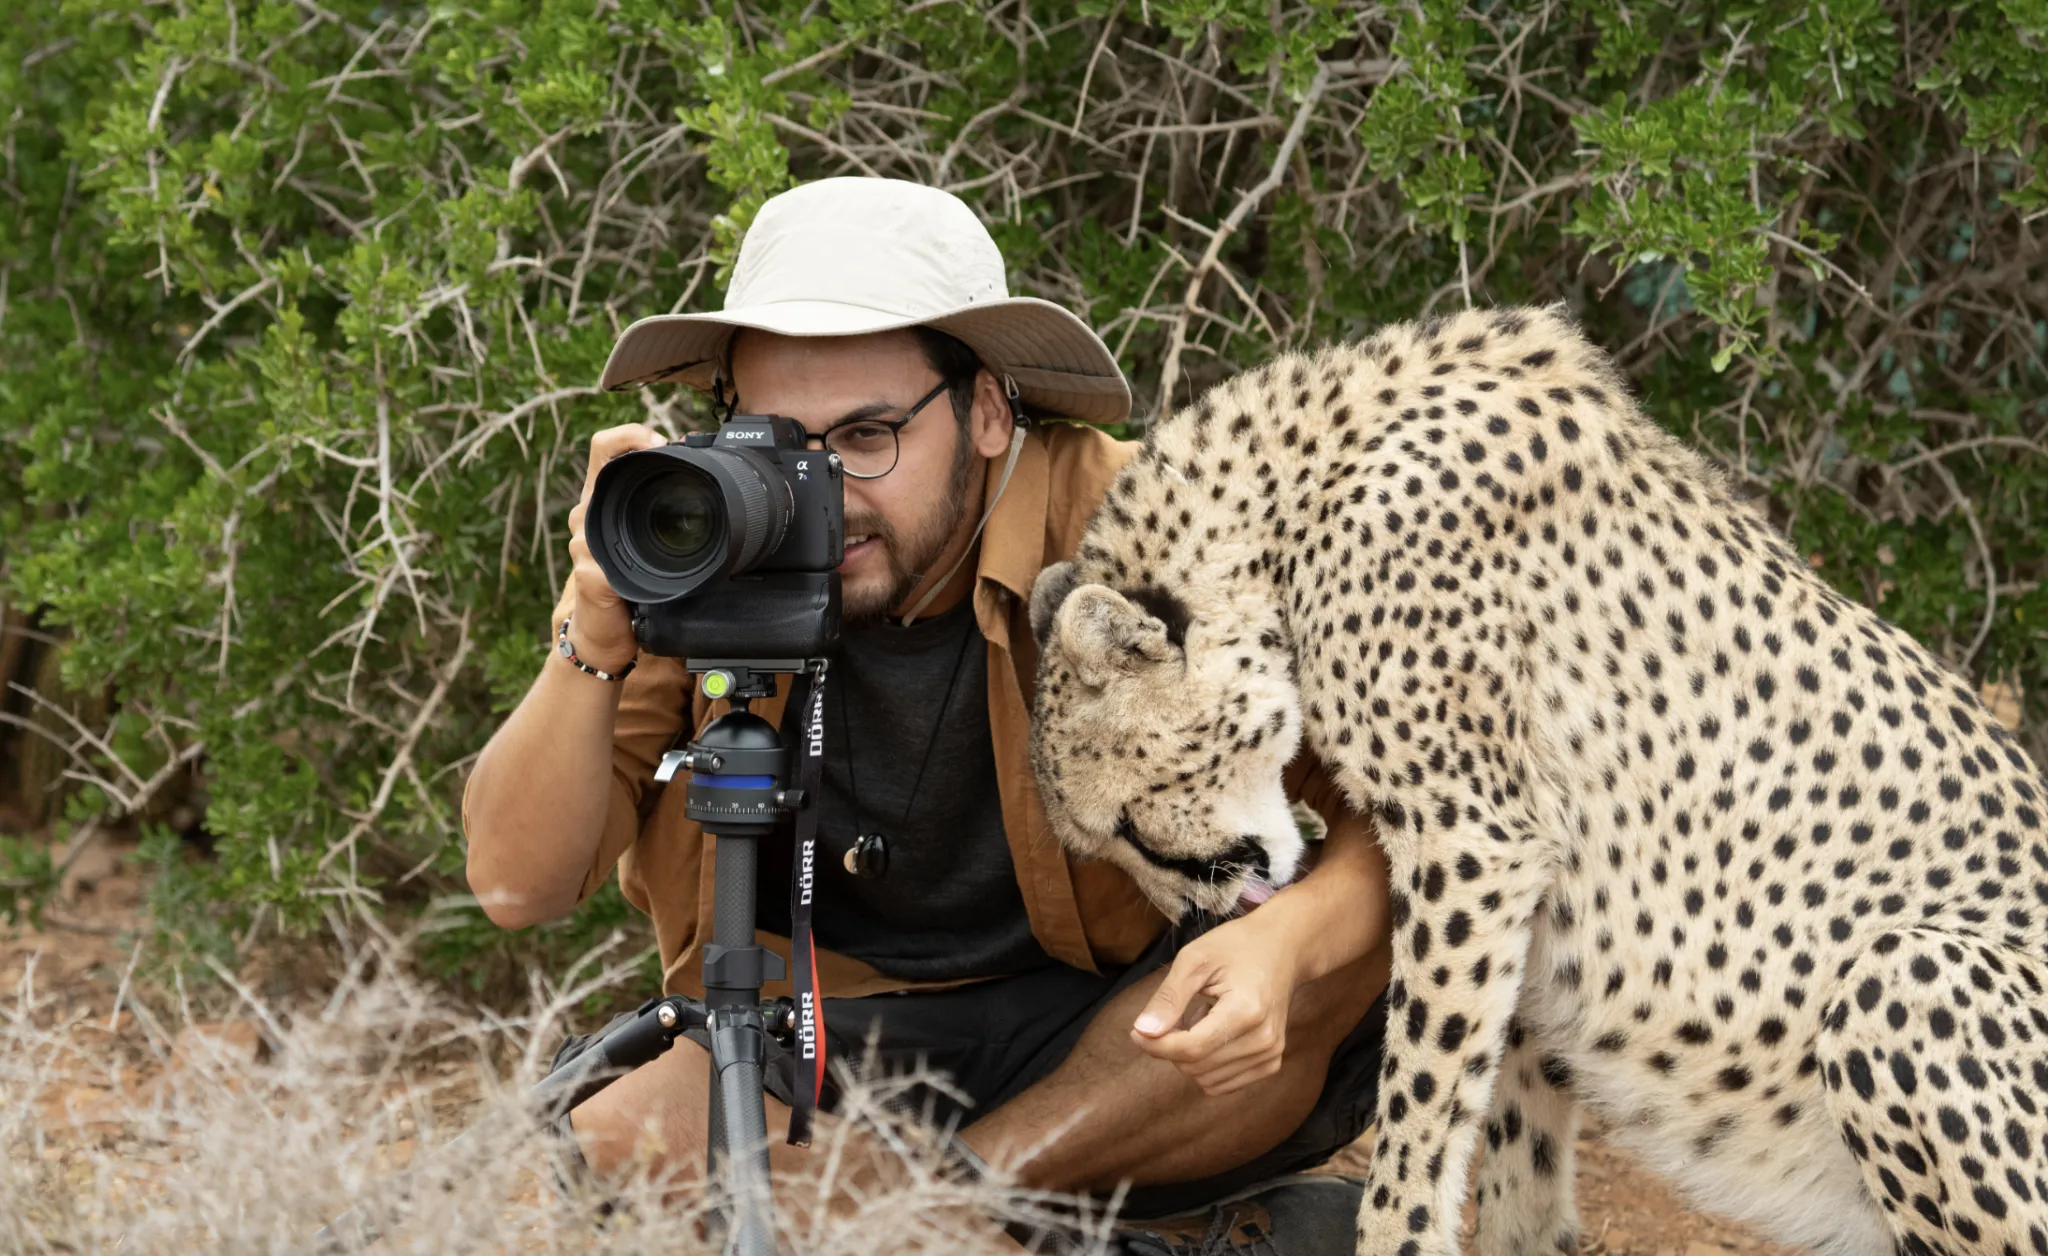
x=1626, y=1211
x=77, y=962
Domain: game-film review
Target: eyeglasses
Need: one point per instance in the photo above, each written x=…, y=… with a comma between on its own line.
x=867, y=447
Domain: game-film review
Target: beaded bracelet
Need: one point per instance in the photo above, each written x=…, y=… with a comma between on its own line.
x=569, y=652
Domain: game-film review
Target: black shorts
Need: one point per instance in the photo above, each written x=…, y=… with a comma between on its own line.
x=995, y=1038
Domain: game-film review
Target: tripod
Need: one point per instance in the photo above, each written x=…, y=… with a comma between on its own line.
x=739, y=766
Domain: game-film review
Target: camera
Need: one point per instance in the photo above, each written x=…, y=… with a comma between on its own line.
x=725, y=544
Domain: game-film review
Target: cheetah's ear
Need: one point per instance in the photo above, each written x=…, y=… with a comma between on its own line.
x=1104, y=635
x=1048, y=593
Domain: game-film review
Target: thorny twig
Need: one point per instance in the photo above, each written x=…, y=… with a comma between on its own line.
x=1169, y=374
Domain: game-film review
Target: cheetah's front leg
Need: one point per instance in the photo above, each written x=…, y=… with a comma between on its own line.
x=1462, y=928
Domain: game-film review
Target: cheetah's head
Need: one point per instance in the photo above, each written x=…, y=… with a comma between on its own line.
x=1159, y=739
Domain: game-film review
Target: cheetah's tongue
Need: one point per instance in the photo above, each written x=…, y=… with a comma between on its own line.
x=1255, y=891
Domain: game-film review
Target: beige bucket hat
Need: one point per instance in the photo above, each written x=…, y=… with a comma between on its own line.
x=847, y=256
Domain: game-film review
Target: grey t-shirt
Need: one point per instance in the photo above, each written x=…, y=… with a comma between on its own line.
x=948, y=907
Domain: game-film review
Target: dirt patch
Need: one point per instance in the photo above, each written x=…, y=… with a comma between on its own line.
x=1625, y=1211
x=1630, y=1212
x=84, y=945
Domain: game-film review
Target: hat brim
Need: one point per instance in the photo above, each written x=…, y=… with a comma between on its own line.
x=1061, y=367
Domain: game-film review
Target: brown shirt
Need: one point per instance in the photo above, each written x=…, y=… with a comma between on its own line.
x=1085, y=914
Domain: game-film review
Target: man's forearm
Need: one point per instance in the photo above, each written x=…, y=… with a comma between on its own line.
x=1337, y=913
x=538, y=795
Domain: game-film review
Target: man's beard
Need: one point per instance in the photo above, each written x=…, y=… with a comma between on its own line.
x=910, y=558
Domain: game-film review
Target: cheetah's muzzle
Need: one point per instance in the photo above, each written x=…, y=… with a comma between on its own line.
x=1244, y=863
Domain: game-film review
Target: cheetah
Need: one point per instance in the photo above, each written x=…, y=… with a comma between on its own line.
x=1677, y=833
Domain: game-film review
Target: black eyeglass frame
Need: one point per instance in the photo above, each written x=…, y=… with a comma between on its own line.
x=895, y=427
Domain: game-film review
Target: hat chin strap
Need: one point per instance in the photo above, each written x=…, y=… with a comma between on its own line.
x=1009, y=465
x=1018, y=431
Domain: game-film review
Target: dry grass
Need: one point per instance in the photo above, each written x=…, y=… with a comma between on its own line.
x=232, y=1122
x=245, y=1134
x=135, y=1128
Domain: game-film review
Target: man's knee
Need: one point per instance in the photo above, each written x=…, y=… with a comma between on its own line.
x=655, y=1113
x=656, y=1118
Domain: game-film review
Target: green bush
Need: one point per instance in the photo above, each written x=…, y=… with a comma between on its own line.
x=302, y=302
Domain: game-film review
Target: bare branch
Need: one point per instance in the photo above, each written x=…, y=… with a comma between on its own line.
x=401, y=760
x=1169, y=374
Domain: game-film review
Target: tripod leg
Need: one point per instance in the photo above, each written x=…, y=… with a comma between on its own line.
x=739, y=1044
x=619, y=1050
x=714, y=1136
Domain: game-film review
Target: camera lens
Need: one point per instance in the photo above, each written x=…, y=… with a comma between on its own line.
x=678, y=515
x=665, y=522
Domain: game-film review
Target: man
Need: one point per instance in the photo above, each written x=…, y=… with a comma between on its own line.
x=947, y=919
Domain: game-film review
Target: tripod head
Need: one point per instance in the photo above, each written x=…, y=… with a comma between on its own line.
x=729, y=759
x=739, y=763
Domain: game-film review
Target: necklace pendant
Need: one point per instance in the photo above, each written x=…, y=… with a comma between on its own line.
x=868, y=857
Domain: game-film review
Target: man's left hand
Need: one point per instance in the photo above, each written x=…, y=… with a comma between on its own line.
x=1244, y=973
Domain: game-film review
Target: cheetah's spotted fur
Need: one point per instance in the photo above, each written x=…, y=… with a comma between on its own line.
x=1676, y=831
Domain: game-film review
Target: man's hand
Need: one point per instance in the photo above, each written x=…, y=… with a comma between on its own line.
x=603, y=632
x=1244, y=973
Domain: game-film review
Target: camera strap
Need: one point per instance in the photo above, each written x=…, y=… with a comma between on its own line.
x=803, y=950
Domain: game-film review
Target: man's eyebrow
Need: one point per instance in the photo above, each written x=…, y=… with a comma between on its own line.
x=868, y=411
x=871, y=410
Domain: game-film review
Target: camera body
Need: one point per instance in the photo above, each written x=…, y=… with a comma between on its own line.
x=725, y=545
